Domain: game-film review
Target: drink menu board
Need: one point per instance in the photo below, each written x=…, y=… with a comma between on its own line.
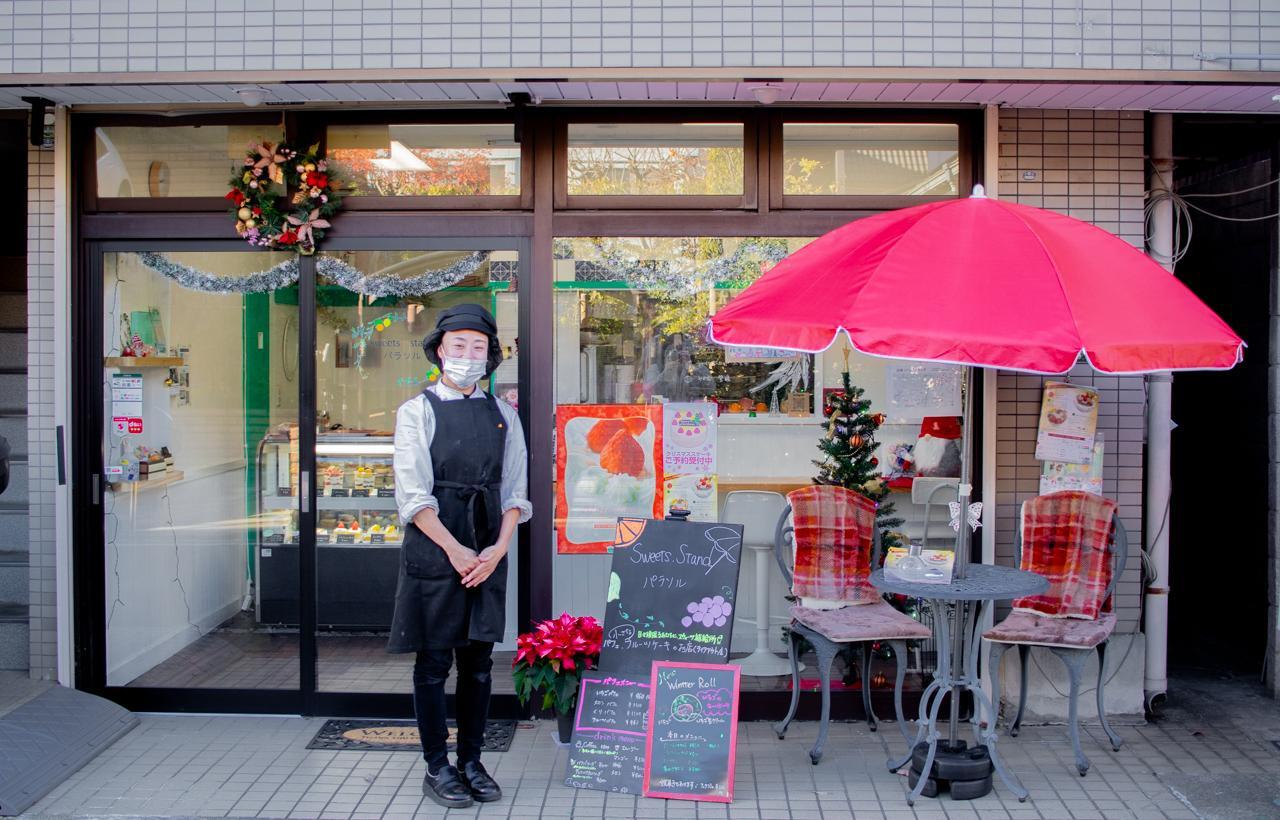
x=692, y=741
x=672, y=595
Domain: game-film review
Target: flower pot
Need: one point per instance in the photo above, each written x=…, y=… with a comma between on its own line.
x=564, y=724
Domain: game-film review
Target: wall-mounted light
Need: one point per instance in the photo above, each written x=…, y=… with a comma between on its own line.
x=252, y=96
x=766, y=94
x=38, y=107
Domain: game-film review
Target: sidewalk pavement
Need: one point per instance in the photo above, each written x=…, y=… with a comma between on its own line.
x=1211, y=756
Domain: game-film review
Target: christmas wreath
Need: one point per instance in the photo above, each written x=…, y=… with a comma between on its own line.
x=282, y=198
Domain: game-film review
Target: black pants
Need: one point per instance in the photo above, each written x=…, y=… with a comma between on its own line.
x=430, y=670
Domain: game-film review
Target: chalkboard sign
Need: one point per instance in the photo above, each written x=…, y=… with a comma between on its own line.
x=672, y=595
x=692, y=738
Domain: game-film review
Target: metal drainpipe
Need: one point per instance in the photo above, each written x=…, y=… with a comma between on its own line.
x=1159, y=425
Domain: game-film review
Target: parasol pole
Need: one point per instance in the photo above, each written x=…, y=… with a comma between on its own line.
x=963, y=492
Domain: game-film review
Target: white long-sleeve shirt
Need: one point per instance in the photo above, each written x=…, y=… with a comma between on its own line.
x=415, y=478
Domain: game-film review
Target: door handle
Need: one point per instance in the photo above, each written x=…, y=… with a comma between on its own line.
x=304, y=490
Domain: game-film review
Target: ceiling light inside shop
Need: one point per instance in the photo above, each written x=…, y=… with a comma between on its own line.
x=252, y=96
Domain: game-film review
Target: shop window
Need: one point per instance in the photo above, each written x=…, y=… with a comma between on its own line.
x=428, y=160
x=175, y=161
x=870, y=159
x=655, y=159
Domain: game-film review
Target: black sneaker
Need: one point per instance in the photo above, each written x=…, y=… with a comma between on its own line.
x=483, y=787
x=446, y=788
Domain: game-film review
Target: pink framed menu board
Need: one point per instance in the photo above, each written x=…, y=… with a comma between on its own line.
x=692, y=740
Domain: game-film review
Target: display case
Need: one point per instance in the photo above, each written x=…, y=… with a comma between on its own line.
x=358, y=532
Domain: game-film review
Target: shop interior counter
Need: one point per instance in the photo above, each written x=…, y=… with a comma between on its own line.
x=357, y=532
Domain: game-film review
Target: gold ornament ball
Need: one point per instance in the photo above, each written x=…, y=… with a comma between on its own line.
x=310, y=166
x=249, y=223
x=244, y=213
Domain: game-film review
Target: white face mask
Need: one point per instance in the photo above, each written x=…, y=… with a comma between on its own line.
x=463, y=372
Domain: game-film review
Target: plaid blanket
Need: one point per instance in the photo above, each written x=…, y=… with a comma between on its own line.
x=1066, y=537
x=834, y=528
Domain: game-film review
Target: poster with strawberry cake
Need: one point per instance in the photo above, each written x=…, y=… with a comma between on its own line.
x=608, y=464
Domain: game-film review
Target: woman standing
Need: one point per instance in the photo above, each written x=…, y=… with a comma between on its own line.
x=461, y=489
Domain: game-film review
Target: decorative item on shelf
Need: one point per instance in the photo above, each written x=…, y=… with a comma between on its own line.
x=551, y=660
x=797, y=403
x=256, y=193
x=937, y=451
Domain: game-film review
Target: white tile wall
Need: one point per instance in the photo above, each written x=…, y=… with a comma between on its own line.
x=1088, y=164
x=236, y=35
x=43, y=467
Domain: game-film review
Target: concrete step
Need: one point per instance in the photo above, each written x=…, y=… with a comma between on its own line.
x=13, y=392
x=15, y=535
x=14, y=582
x=15, y=639
x=13, y=349
x=13, y=310
x=14, y=429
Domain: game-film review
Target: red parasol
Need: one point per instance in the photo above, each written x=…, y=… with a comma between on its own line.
x=981, y=282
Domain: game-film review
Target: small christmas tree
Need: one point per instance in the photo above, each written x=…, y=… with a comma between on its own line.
x=849, y=446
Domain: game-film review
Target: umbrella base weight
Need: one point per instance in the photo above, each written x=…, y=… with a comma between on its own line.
x=964, y=772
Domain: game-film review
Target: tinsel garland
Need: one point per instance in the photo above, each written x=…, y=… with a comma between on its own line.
x=682, y=279
x=340, y=273
x=331, y=268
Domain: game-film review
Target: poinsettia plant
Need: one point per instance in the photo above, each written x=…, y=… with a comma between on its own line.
x=552, y=658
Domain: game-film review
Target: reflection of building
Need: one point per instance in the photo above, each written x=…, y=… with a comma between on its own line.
x=607, y=210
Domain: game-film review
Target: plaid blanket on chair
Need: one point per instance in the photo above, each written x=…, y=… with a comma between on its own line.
x=834, y=528
x=1066, y=537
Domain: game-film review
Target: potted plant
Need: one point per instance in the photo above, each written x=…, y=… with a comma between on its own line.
x=551, y=660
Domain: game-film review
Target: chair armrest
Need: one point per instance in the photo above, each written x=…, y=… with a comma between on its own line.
x=1120, y=555
x=783, y=536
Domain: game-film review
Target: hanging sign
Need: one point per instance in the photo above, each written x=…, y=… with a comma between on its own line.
x=671, y=597
x=1068, y=422
x=608, y=466
x=692, y=740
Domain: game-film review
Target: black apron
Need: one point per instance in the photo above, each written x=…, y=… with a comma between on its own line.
x=433, y=609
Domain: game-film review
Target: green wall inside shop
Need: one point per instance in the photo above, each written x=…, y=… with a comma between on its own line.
x=257, y=410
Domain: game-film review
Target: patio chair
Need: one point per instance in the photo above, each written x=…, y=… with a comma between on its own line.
x=1054, y=620
x=838, y=546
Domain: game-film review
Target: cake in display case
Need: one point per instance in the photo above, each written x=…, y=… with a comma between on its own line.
x=358, y=532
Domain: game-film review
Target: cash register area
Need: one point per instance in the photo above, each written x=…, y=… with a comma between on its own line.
x=201, y=456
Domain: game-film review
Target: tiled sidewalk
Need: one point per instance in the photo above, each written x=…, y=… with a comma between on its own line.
x=1210, y=757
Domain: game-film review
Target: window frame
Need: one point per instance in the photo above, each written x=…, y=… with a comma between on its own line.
x=968, y=135
x=317, y=125
x=562, y=200
x=85, y=133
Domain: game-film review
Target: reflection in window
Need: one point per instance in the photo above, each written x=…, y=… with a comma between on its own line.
x=647, y=159
x=631, y=314
x=194, y=160
x=907, y=159
x=427, y=160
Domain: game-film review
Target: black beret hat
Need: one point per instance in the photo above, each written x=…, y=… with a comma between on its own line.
x=464, y=317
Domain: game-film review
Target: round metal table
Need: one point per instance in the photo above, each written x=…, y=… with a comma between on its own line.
x=957, y=609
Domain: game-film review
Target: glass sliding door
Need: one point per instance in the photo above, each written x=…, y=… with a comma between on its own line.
x=198, y=377
x=369, y=360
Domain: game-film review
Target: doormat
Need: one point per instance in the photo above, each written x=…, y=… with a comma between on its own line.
x=399, y=736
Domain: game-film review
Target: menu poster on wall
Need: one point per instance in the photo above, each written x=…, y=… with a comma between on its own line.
x=692, y=741
x=608, y=466
x=916, y=391
x=126, y=403
x=695, y=493
x=1068, y=421
x=1060, y=475
x=671, y=597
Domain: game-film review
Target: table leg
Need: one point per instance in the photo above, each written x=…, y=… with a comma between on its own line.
x=983, y=705
x=946, y=682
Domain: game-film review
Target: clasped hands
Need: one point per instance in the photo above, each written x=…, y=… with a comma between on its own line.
x=475, y=568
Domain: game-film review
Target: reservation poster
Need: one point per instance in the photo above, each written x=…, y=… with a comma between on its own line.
x=689, y=458
x=608, y=466
x=1068, y=421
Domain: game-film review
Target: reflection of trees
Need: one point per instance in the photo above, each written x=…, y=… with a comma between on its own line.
x=655, y=170
x=449, y=172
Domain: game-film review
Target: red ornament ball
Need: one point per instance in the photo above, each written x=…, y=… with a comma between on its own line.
x=875, y=462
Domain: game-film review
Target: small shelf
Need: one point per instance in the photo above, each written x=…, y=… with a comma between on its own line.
x=143, y=361
x=170, y=477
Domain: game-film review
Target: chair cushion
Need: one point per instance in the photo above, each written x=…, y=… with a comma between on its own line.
x=1072, y=633
x=868, y=622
